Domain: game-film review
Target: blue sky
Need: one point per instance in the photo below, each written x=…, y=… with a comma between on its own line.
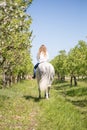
x=59, y=24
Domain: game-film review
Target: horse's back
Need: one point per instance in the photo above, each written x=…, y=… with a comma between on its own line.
x=46, y=68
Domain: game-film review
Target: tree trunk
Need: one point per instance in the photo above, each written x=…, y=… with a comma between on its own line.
x=75, y=81
x=73, y=77
x=71, y=81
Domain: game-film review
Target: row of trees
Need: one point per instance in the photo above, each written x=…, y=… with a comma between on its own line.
x=73, y=64
x=15, y=40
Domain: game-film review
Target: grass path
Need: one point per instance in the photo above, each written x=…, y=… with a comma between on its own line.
x=20, y=108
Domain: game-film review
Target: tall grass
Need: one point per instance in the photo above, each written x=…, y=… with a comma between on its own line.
x=20, y=108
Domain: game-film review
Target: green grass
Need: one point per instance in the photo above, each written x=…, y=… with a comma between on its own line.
x=20, y=108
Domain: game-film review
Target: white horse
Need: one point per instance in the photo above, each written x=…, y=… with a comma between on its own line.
x=45, y=75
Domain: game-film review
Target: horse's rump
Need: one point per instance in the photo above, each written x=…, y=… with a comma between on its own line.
x=45, y=75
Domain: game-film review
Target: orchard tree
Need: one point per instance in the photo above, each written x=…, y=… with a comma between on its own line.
x=59, y=63
x=74, y=63
x=81, y=57
x=15, y=36
x=77, y=59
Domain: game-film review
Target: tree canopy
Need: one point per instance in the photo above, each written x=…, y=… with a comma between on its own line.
x=74, y=62
x=15, y=36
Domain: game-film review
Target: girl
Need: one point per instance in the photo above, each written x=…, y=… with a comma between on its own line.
x=42, y=56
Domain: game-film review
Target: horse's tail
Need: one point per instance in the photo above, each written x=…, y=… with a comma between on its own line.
x=43, y=84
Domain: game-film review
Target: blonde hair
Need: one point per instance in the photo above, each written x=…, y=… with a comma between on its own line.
x=42, y=49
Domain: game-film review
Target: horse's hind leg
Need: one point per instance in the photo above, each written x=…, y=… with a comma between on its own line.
x=47, y=93
x=39, y=92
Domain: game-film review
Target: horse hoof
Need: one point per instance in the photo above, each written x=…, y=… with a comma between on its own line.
x=47, y=98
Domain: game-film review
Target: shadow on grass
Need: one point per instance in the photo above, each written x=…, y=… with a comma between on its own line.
x=71, y=93
x=81, y=103
x=77, y=92
x=36, y=99
x=61, y=86
x=81, y=100
x=59, y=81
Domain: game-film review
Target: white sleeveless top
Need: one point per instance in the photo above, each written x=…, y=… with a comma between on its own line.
x=42, y=58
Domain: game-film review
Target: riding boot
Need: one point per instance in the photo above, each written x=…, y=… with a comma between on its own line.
x=34, y=76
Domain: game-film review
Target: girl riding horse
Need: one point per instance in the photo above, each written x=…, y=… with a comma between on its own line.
x=42, y=56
